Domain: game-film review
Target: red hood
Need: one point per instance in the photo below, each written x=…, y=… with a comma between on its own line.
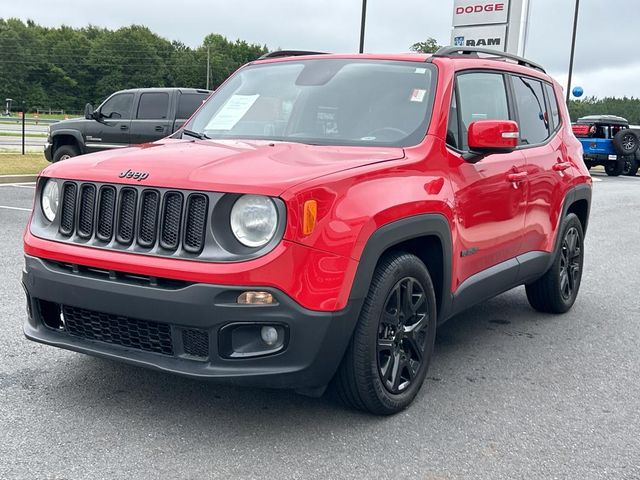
x=226, y=166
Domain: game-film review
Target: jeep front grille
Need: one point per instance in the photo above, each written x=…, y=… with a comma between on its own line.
x=131, y=216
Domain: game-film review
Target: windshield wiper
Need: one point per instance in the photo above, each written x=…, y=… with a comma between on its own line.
x=191, y=133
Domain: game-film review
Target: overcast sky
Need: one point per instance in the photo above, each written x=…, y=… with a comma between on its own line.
x=608, y=30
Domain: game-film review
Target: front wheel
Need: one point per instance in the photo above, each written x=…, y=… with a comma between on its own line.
x=557, y=289
x=65, y=152
x=390, y=351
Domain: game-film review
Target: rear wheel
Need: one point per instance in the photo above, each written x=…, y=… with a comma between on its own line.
x=631, y=165
x=64, y=152
x=390, y=351
x=557, y=289
x=614, y=167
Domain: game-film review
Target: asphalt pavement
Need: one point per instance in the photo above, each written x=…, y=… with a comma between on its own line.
x=511, y=393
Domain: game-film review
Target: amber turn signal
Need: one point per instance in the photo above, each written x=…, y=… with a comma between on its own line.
x=255, y=298
x=309, y=218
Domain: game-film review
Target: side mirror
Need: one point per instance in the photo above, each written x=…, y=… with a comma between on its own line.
x=492, y=136
x=88, y=111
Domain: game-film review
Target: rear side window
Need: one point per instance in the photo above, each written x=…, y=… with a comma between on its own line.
x=553, y=106
x=189, y=103
x=153, y=106
x=533, y=118
x=481, y=96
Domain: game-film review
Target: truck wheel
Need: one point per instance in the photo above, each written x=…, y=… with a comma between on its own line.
x=625, y=142
x=614, y=167
x=557, y=289
x=389, y=354
x=631, y=165
x=65, y=151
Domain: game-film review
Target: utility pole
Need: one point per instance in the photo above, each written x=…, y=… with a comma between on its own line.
x=573, y=49
x=208, y=68
x=362, y=21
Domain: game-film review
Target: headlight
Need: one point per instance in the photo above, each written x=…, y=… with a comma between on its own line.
x=254, y=220
x=50, y=199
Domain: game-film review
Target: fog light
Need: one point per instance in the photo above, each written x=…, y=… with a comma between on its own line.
x=269, y=335
x=255, y=298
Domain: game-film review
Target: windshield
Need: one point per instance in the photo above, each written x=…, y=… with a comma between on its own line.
x=323, y=101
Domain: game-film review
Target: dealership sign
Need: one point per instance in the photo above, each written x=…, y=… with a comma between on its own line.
x=496, y=24
x=493, y=36
x=474, y=12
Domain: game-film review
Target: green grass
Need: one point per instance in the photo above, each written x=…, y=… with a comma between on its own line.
x=27, y=134
x=16, y=164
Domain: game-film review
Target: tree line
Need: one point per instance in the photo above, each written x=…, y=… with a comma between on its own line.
x=64, y=67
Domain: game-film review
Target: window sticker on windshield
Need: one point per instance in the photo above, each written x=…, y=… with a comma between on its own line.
x=232, y=112
x=421, y=70
x=418, y=95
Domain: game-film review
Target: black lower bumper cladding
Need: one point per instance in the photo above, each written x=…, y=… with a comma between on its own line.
x=176, y=326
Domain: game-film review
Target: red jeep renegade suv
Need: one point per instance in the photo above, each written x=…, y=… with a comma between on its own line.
x=314, y=222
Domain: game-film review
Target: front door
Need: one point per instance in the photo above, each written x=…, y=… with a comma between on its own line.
x=490, y=200
x=112, y=131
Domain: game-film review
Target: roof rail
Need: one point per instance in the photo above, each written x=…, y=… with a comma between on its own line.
x=288, y=53
x=450, y=52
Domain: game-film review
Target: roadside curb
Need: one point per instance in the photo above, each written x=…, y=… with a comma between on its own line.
x=17, y=178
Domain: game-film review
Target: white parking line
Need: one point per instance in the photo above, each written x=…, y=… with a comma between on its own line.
x=16, y=208
x=18, y=185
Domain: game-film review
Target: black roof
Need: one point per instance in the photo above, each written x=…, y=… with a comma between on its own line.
x=167, y=89
x=606, y=119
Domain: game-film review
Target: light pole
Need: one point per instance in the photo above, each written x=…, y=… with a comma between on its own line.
x=573, y=49
x=362, y=21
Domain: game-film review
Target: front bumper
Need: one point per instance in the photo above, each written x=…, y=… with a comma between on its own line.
x=316, y=340
x=47, y=151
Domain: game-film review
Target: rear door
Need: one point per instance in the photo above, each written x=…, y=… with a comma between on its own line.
x=188, y=103
x=490, y=197
x=151, y=121
x=547, y=164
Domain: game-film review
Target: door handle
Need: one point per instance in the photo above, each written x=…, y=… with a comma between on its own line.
x=516, y=176
x=159, y=128
x=124, y=127
x=561, y=166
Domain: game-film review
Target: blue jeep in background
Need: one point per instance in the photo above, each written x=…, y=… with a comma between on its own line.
x=609, y=141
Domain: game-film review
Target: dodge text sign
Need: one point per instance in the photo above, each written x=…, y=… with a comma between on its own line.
x=480, y=12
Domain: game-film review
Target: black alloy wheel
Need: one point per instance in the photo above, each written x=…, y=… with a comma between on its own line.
x=402, y=335
x=570, y=262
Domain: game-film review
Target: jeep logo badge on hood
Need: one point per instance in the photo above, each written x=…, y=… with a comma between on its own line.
x=135, y=175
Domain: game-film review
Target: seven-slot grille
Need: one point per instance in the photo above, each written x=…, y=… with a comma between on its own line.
x=144, y=216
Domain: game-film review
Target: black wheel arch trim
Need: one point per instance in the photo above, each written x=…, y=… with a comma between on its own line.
x=395, y=233
x=67, y=132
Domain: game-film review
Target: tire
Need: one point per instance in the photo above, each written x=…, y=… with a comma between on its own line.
x=614, y=167
x=365, y=379
x=625, y=142
x=554, y=292
x=588, y=164
x=64, y=152
x=631, y=165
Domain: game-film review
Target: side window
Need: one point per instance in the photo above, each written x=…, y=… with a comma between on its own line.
x=481, y=96
x=553, y=103
x=532, y=111
x=153, y=106
x=188, y=103
x=118, y=106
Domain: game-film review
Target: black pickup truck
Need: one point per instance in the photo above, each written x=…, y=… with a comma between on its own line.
x=127, y=117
